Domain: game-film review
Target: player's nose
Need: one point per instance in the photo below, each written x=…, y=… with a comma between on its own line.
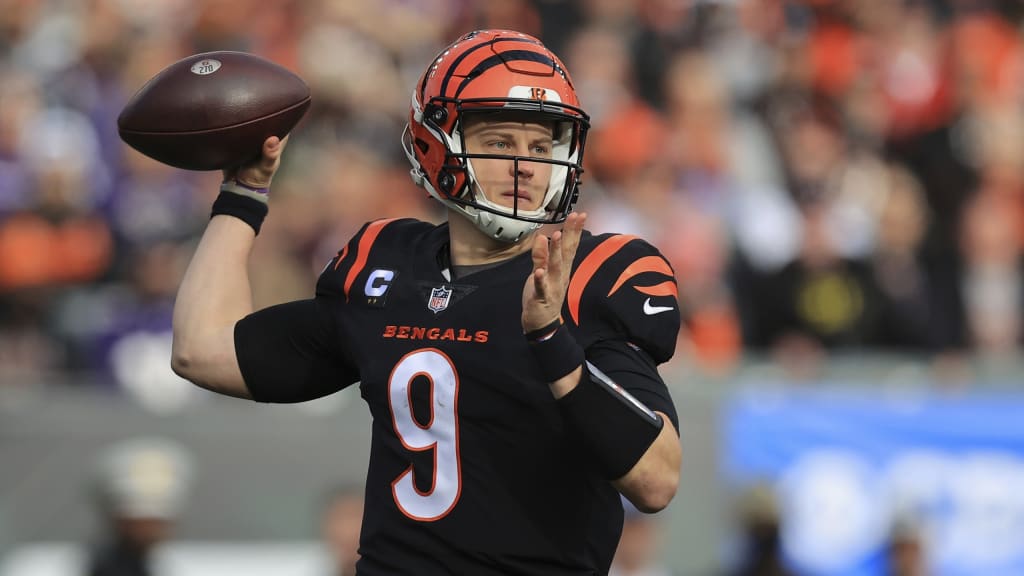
x=521, y=168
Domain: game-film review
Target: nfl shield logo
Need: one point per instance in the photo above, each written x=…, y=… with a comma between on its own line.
x=439, y=298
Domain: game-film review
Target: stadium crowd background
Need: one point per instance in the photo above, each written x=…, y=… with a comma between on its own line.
x=824, y=176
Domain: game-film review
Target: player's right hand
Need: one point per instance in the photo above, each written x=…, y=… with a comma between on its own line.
x=260, y=172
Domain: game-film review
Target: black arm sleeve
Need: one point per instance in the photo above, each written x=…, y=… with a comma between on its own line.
x=292, y=352
x=633, y=369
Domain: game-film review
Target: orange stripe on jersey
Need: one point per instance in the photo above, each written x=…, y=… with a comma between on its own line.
x=645, y=264
x=588, y=268
x=341, y=256
x=664, y=289
x=363, y=251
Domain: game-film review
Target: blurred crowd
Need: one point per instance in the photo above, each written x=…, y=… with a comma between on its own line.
x=824, y=176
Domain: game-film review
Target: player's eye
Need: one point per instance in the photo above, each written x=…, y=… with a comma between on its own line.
x=499, y=145
x=541, y=150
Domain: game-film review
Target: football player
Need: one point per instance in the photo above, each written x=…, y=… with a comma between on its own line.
x=512, y=376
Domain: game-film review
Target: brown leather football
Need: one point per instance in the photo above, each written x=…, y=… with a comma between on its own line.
x=213, y=110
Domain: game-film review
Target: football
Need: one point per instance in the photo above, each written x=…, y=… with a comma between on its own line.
x=213, y=110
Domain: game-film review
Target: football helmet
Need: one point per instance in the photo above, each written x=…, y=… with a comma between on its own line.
x=494, y=71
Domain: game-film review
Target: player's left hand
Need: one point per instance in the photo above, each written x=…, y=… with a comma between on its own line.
x=545, y=289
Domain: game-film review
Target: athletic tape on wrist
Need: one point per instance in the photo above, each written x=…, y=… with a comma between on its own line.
x=246, y=207
x=557, y=353
x=243, y=189
x=615, y=428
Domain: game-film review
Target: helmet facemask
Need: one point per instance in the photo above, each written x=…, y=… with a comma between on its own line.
x=459, y=187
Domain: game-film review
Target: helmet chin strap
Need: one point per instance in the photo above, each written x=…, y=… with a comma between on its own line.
x=501, y=228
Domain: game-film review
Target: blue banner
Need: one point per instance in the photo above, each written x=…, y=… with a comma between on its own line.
x=848, y=463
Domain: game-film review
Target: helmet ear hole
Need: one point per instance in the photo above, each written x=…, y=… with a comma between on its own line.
x=436, y=114
x=446, y=181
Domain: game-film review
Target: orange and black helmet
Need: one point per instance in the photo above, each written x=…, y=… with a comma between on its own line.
x=494, y=71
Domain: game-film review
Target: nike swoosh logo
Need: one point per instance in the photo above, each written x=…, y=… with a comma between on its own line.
x=652, y=310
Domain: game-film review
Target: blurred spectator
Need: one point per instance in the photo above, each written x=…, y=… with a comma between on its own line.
x=992, y=278
x=20, y=102
x=626, y=132
x=133, y=345
x=50, y=236
x=639, y=551
x=862, y=278
x=929, y=117
x=57, y=237
x=908, y=314
x=142, y=485
x=664, y=27
x=28, y=351
x=906, y=551
x=760, y=535
x=745, y=46
x=821, y=301
x=341, y=520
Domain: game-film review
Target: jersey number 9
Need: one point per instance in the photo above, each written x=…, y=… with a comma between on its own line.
x=440, y=434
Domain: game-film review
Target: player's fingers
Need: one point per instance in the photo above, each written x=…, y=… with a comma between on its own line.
x=540, y=251
x=540, y=285
x=558, y=263
x=272, y=148
x=557, y=238
x=260, y=171
x=573, y=228
x=572, y=232
x=541, y=255
x=563, y=248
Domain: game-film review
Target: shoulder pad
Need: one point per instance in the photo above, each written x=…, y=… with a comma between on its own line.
x=622, y=287
x=338, y=277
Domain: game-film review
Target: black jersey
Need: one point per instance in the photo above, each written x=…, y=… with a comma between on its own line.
x=470, y=469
